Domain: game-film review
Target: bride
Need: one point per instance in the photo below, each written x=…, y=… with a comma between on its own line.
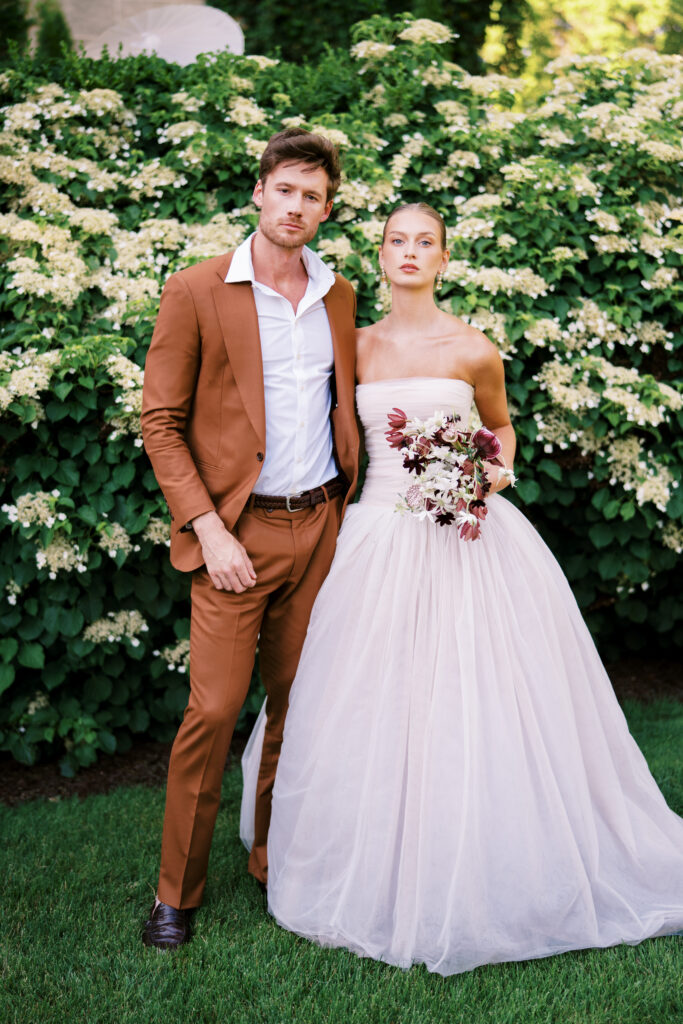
x=457, y=784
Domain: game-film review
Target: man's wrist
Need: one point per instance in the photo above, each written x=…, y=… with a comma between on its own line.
x=206, y=521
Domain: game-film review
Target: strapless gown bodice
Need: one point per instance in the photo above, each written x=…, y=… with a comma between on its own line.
x=418, y=397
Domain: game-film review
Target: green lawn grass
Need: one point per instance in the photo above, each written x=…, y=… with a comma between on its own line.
x=78, y=878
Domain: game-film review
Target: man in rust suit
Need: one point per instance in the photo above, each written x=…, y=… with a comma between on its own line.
x=248, y=419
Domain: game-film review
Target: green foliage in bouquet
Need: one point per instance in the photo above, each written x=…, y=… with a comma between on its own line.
x=565, y=227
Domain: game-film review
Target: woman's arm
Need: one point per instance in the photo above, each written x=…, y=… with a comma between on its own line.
x=489, y=395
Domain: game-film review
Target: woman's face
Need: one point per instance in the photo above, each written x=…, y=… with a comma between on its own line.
x=411, y=252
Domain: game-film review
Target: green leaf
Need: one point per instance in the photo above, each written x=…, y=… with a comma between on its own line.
x=97, y=689
x=88, y=515
x=32, y=656
x=8, y=648
x=601, y=534
x=30, y=629
x=62, y=389
x=550, y=468
x=23, y=467
x=636, y=610
x=121, y=690
x=124, y=584
x=147, y=589
x=67, y=473
x=138, y=524
x=6, y=677
x=107, y=741
x=528, y=491
x=56, y=411
x=67, y=767
x=50, y=619
x=175, y=699
x=139, y=720
x=54, y=673
x=70, y=621
x=75, y=443
x=92, y=452
x=88, y=399
x=46, y=465
x=609, y=565
x=123, y=474
x=20, y=750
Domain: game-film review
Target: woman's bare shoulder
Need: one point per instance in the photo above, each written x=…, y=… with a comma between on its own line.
x=480, y=349
x=370, y=334
x=369, y=329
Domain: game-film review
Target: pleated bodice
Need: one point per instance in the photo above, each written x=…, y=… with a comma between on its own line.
x=418, y=397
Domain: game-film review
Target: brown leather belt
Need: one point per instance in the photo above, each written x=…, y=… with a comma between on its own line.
x=297, y=502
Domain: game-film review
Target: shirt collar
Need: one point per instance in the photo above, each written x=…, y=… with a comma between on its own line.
x=320, y=277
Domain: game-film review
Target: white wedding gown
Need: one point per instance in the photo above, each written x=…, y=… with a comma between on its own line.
x=457, y=784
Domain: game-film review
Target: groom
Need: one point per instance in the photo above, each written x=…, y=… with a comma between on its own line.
x=248, y=419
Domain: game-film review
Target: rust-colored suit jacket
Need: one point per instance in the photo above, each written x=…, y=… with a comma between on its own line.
x=203, y=404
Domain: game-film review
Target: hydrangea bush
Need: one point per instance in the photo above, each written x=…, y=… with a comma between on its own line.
x=565, y=222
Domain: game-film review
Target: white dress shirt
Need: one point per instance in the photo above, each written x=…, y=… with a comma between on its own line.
x=298, y=361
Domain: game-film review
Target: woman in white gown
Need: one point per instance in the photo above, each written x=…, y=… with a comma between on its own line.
x=457, y=784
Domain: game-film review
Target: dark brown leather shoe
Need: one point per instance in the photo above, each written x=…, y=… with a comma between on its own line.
x=167, y=928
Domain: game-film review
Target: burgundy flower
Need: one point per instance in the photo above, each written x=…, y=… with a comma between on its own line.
x=486, y=442
x=395, y=438
x=479, y=509
x=444, y=518
x=397, y=419
x=414, y=464
x=470, y=531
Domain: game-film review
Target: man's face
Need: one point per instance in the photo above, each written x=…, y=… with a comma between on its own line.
x=293, y=202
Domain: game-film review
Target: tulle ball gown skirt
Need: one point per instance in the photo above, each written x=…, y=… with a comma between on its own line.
x=457, y=784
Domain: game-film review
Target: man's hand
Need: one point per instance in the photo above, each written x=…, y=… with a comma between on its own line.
x=227, y=562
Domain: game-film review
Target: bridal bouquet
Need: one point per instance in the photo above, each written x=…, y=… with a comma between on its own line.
x=450, y=469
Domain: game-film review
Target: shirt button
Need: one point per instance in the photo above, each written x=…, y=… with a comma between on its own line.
x=259, y=456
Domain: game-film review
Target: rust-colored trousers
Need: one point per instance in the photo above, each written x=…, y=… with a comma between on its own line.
x=291, y=553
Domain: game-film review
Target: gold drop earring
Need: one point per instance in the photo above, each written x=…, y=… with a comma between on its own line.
x=439, y=280
x=382, y=276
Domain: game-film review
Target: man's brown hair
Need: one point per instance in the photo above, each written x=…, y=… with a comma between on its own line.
x=296, y=145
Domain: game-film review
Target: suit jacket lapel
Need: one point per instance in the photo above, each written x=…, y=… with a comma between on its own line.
x=237, y=316
x=337, y=313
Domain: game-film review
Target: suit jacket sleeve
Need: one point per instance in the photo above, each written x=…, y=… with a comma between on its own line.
x=168, y=392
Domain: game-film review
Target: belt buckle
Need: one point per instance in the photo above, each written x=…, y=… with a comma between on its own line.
x=297, y=494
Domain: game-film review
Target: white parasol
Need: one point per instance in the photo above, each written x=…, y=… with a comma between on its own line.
x=176, y=32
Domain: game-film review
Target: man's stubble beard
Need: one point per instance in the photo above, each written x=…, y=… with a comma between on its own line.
x=282, y=241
